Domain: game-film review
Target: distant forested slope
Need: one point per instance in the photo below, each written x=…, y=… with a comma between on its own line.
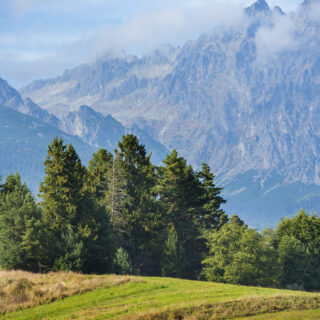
x=23, y=145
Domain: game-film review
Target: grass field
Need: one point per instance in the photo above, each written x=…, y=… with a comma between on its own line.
x=73, y=296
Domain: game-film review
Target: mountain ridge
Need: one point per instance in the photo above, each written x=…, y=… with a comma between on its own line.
x=209, y=85
x=23, y=145
x=241, y=98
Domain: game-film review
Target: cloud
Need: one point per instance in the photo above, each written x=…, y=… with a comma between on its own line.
x=277, y=37
x=313, y=11
x=56, y=34
x=143, y=32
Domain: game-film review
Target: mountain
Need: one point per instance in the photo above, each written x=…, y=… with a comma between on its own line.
x=23, y=145
x=310, y=2
x=105, y=131
x=11, y=98
x=243, y=98
x=92, y=127
x=259, y=6
x=26, y=130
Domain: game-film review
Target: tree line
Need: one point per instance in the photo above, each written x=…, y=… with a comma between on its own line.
x=122, y=214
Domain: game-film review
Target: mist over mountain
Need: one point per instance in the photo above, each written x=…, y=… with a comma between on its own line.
x=244, y=98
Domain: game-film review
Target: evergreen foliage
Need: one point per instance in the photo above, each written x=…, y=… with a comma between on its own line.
x=173, y=258
x=164, y=220
x=21, y=227
x=212, y=216
x=62, y=188
x=98, y=170
x=121, y=263
x=180, y=193
x=76, y=223
x=132, y=202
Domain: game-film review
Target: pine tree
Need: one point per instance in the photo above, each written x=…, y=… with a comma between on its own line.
x=67, y=203
x=72, y=248
x=172, y=260
x=212, y=216
x=117, y=196
x=22, y=239
x=99, y=169
x=180, y=195
x=134, y=179
x=62, y=188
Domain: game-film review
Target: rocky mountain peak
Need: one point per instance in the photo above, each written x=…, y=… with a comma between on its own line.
x=259, y=6
x=9, y=97
x=278, y=10
x=86, y=111
x=307, y=3
x=247, y=105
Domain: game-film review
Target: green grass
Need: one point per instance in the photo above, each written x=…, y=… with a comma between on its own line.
x=288, y=315
x=163, y=298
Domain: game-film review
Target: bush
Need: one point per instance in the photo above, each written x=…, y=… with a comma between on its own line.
x=121, y=262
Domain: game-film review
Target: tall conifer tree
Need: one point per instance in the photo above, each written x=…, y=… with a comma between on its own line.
x=212, y=216
x=135, y=179
x=180, y=194
x=172, y=257
x=22, y=239
x=62, y=188
x=68, y=207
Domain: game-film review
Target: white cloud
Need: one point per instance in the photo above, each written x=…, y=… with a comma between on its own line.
x=145, y=31
x=313, y=12
x=278, y=37
x=68, y=32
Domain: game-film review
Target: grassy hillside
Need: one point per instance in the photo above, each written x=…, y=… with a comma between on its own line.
x=72, y=296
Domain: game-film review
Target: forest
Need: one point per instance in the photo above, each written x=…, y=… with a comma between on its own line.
x=122, y=214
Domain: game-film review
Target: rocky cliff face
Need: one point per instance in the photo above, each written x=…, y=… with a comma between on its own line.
x=11, y=98
x=230, y=98
x=92, y=127
x=242, y=98
x=104, y=131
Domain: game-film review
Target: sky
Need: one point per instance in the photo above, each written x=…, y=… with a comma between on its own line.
x=42, y=38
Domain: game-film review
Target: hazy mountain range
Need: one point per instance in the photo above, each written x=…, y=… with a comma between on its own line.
x=245, y=99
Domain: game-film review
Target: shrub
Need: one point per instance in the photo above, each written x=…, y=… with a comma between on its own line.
x=121, y=262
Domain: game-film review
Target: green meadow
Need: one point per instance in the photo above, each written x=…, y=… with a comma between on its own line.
x=164, y=298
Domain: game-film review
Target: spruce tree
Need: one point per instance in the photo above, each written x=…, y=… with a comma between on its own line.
x=180, y=194
x=117, y=196
x=99, y=169
x=22, y=240
x=66, y=204
x=172, y=258
x=212, y=216
x=134, y=179
x=62, y=188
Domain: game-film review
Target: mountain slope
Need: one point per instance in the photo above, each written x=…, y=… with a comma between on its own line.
x=240, y=98
x=217, y=99
x=104, y=131
x=91, y=126
x=11, y=98
x=23, y=145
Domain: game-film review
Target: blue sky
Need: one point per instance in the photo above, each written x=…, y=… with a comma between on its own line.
x=41, y=38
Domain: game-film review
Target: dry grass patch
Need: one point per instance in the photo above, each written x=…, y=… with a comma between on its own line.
x=19, y=289
x=234, y=309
